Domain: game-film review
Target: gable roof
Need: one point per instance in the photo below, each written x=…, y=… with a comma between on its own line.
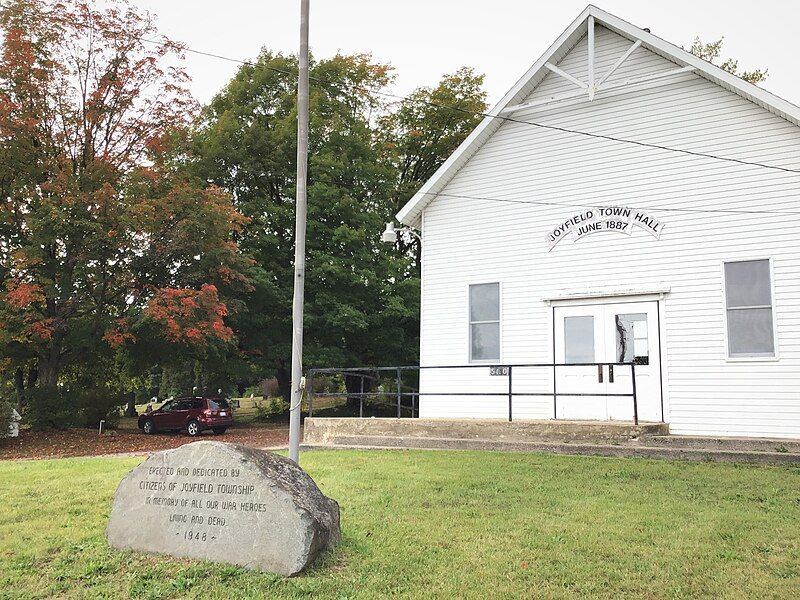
x=411, y=213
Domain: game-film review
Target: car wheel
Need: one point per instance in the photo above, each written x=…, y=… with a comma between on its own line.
x=148, y=427
x=219, y=430
x=193, y=428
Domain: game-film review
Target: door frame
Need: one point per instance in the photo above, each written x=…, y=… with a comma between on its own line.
x=658, y=297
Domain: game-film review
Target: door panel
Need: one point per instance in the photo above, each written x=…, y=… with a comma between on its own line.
x=608, y=333
x=580, y=338
x=181, y=415
x=163, y=416
x=634, y=335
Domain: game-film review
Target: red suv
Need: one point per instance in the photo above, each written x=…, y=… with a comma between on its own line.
x=194, y=415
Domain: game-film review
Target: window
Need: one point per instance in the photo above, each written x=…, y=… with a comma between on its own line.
x=748, y=307
x=484, y=321
x=218, y=404
x=632, y=338
x=579, y=339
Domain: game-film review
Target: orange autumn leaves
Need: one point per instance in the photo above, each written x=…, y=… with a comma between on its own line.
x=187, y=317
x=21, y=295
x=28, y=298
x=183, y=316
x=190, y=316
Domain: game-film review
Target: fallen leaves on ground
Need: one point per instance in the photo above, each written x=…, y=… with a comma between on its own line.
x=88, y=442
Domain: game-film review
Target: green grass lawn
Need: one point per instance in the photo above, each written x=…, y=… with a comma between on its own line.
x=427, y=524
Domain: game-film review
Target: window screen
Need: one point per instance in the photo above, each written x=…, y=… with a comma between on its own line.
x=748, y=302
x=484, y=321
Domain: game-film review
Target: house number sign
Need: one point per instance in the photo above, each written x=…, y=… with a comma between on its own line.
x=613, y=219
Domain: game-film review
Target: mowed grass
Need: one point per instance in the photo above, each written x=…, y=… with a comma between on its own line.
x=427, y=524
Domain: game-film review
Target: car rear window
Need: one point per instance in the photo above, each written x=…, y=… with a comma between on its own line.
x=189, y=403
x=219, y=404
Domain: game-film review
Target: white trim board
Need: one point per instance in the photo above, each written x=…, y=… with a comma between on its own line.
x=652, y=293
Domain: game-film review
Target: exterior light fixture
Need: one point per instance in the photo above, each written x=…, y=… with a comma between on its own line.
x=390, y=234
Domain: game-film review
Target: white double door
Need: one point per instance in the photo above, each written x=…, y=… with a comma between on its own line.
x=607, y=333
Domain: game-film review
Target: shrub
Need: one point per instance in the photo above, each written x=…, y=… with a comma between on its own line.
x=271, y=410
x=50, y=408
x=327, y=383
x=254, y=390
x=58, y=408
x=99, y=404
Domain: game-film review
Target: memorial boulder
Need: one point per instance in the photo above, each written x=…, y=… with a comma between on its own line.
x=224, y=503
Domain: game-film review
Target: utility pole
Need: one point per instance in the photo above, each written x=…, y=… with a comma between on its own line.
x=299, y=237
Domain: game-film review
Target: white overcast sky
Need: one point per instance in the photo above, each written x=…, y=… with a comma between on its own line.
x=424, y=39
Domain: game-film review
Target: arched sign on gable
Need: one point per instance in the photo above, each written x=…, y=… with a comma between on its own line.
x=613, y=219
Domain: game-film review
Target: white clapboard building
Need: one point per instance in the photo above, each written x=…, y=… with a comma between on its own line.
x=624, y=202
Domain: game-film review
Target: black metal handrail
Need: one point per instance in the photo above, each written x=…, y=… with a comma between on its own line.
x=363, y=373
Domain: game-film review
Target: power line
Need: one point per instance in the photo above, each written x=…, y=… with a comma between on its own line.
x=483, y=114
x=434, y=104
x=590, y=205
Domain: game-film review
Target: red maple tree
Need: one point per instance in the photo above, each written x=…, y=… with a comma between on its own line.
x=99, y=223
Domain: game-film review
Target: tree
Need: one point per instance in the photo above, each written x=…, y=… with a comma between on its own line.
x=359, y=310
x=104, y=235
x=426, y=129
x=711, y=52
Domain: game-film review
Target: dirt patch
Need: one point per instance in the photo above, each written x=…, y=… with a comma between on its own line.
x=87, y=442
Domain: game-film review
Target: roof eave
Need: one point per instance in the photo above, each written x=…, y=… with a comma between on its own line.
x=704, y=68
x=411, y=213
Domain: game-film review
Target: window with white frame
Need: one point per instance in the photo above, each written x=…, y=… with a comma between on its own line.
x=749, y=309
x=484, y=322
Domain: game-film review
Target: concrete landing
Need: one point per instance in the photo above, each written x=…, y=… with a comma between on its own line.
x=328, y=430
x=619, y=439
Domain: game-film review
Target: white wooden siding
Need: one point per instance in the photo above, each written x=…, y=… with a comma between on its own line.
x=478, y=241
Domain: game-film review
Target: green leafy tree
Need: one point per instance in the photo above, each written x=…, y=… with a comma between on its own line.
x=425, y=130
x=712, y=51
x=360, y=308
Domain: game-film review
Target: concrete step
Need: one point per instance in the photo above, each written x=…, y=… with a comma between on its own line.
x=723, y=443
x=580, y=448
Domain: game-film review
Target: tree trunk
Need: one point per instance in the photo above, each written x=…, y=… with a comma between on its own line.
x=19, y=385
x=352, y=383
x=130, y=405
x=23, y=383
x=284, y=377
x=48, y=371
x=33, y=376
x=49, y=365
